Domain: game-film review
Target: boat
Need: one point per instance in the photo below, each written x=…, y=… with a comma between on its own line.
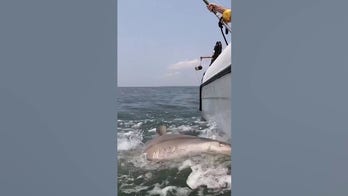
x=215, y=92
x=215, y=89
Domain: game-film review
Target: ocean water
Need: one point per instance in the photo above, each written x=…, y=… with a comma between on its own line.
x=140, y=111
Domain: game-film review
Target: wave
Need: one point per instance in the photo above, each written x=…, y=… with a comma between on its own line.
x=152, y=178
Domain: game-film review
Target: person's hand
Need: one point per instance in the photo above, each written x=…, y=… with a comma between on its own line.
x=215, y=8
x=211, y=7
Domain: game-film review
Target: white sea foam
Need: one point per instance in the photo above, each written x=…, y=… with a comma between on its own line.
x=152, y=130
x=185, y=128
x=185, y=164
x=179, y=191
x=214, y=178
x=137, y=125
x=129, y=140
x=213, y=133
x=210, y=131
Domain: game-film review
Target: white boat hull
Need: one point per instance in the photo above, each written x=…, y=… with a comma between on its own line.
x=216, y=103
x=215, y=92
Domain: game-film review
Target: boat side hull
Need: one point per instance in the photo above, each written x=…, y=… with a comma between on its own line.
x=216, y=101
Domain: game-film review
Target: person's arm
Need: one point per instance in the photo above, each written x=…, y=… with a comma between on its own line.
x=216, y=8
x=226, y=13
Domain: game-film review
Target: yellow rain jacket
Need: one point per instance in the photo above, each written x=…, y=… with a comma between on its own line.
x=226, y=16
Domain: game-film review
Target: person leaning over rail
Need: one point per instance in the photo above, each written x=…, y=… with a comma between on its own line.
x=226, y=13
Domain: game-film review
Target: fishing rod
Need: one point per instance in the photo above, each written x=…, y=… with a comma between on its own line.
x=218, y=46
x=223, y=22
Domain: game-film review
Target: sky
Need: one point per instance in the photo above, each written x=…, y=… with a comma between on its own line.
x=159, y=43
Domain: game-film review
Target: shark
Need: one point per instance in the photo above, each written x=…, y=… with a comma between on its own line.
x=174, y=146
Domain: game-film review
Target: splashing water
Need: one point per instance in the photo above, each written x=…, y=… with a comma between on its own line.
x=139, y=115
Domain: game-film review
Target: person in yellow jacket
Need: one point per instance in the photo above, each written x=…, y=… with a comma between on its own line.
x=226, y=13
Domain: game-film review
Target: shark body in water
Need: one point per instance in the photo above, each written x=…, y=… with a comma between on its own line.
x=174, y=146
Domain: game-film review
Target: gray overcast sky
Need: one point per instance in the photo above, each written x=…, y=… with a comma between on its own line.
x=160, y=43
